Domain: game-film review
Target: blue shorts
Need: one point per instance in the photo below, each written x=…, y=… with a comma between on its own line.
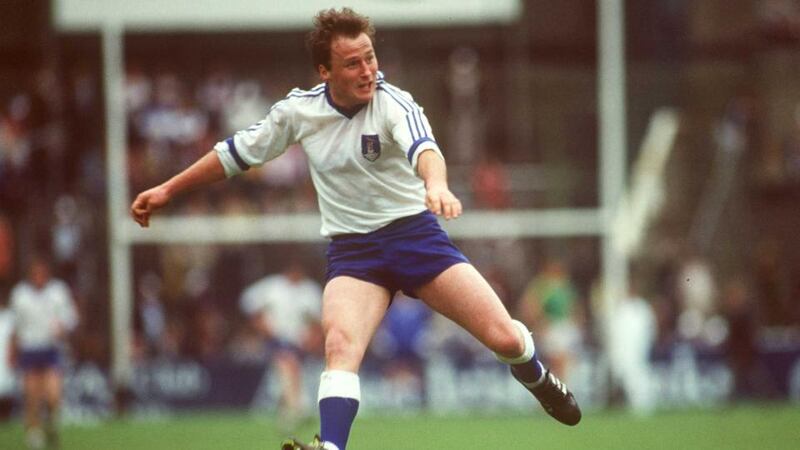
x=404, y=255
x=46, y=358
x=275, y=345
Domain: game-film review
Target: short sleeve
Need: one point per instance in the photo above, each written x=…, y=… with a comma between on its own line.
x=68, y=316
x=250, y=302
x=408, y=125
x=264, y=141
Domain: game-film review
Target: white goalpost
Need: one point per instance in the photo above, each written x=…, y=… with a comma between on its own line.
x=113, y=18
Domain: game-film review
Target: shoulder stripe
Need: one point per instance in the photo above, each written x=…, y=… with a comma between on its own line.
x=410, y=106
x=410, y=129
x=397, y=94
x=312, y=93
x=381, y=87
x=279, y=103
x=316, y=89
x=402, y=105
x=255, y=126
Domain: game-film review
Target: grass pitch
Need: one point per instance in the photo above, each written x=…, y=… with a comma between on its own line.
x=751, y=427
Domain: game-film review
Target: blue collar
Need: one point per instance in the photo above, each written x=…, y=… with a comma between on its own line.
x=347, y=112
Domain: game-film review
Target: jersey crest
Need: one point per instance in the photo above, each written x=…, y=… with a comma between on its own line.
x=370, y=147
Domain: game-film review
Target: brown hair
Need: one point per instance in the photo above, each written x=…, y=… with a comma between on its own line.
x=328, y=25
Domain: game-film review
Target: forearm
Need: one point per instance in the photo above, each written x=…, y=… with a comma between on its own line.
x=438, y=198
x=432, y=169
x=206, y=170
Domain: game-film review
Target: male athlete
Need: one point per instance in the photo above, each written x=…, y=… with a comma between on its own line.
x=43, y=315
x=381, y=181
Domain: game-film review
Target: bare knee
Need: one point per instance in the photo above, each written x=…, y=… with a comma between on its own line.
x=506, y=340
x=341, y=351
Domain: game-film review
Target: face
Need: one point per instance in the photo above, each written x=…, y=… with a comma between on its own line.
x=39, y=274
x=354, y=66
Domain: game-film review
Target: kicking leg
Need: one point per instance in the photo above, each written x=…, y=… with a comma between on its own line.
x=461, y=294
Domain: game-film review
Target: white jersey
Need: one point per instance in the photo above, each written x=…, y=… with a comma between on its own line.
x=40, y=313
x=363, y=164
x=287, y=306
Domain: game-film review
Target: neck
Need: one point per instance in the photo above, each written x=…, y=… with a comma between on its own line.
x=347, y=110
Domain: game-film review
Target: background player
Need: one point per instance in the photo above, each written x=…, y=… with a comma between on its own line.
x=284, y=309
x=44, y=315
x=380, y=177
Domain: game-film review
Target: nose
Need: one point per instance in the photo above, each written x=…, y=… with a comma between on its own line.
x=365, y=68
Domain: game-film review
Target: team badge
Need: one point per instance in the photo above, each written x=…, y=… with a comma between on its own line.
x=370, y=147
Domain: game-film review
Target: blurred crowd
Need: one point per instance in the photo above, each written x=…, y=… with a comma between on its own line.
x=173, y=120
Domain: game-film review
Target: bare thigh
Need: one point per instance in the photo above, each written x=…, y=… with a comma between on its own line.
x=52, y=385
x=461, y=294
x=33, y=382
x=352, y=309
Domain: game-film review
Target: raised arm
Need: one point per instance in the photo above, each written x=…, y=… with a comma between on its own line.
x=206, y=170
x=438, y=198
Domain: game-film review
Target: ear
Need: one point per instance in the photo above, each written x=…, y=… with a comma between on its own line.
x=324, y=73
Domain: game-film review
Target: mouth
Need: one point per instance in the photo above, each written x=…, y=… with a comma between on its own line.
x=366, y=86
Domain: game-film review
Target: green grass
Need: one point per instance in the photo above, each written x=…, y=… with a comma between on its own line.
x=752, y=427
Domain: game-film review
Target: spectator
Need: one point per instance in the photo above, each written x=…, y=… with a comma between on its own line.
x=632, y=333
x=549, y=304
x=697, y=291
x=490, y=183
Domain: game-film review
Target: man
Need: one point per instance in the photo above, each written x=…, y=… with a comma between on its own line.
x=631, y=335
x=44, y=315
x=284, y=309
x=380, y=179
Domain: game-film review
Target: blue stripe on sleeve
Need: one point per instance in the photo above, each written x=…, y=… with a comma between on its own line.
x=410, y=129
x=425, y=131
x=239, y=161
x=415, y=115
x=255, y=126
x=415, y=147
x=399, y=102
x=408, y=106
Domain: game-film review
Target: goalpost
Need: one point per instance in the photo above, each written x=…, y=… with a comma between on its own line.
x=113, y=17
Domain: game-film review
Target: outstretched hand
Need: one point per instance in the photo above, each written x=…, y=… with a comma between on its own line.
x=147, y=202
x=441, y=201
